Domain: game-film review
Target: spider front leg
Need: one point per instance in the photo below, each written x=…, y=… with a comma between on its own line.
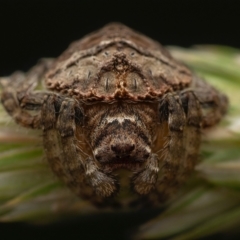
x=59, y=143
x=174, y=154
x=84, y=175
x=184, y=117
x=51, y=141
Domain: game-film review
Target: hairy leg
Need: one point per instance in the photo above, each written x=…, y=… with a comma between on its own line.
x=184, y=117
x=17, y=95
x=61, y=154
x=144, y=181
x=51, y=143
x=213, y=103
x=84, y=176
x=193, y=131
x=174, y=154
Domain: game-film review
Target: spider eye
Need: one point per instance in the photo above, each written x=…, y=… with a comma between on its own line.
x=107, y=83
x=134, y=82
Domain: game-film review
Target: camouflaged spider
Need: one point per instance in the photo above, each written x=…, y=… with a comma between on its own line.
x=115, y=99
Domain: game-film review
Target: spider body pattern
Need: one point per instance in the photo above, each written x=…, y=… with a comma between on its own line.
x=116, y=100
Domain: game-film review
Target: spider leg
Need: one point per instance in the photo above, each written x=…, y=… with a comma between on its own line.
x=175, y=151
x=144, y=181
x=105, y=186
x=60, y=151
x=71, y=161
x=20, y=115
x=182, y=150
x=82, y=173
x=17, y=95
x=213, y=103
x=51, y=142
x=193, y=131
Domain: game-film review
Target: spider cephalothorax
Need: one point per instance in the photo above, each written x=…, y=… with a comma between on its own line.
x=116, y=99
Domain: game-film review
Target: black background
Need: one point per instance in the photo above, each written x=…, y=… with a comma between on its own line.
x=33, y=29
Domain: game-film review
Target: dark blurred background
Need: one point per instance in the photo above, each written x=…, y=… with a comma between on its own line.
x=33, y=29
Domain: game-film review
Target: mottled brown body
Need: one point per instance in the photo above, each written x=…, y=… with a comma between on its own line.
x=116, y=100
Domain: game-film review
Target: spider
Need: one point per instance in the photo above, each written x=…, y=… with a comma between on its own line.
x=113, y=100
